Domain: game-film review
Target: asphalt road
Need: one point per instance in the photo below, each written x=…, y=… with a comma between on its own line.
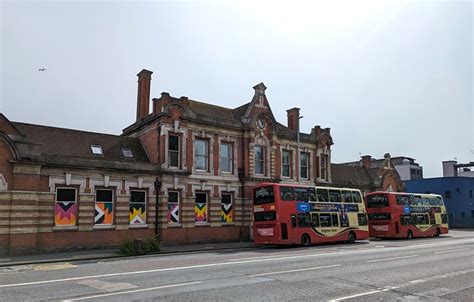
x=430, y=269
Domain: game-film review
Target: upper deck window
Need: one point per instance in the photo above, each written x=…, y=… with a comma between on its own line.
x=377, y=201
x=263, y=195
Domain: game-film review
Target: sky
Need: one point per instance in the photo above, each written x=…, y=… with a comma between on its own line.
x=385, y=76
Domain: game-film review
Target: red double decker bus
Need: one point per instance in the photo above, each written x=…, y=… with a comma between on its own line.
x=296, y=214
x=406, y=215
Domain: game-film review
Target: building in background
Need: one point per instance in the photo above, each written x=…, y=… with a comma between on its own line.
x=183, y=172
x=457, y=192
x=368, y=175
x=406, y=167
x=451, y=168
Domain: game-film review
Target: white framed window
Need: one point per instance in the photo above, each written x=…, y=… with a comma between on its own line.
x=201, y=154
x=137, y=207
x=173, y=207
x=96, y=150
x=173, y=151
x=65, y=208
x=259, y=160
x=286, y=163
x=104, y=207
x=200, y=208
x=127, y=152
x=226, y=157
x=304, y=165
x=227, y=208
x=323, y=168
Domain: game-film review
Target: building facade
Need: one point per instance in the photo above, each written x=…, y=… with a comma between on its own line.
x=451, y=168
x=183, y=172
x=458, y=195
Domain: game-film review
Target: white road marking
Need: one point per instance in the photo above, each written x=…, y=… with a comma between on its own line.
x=449, y=251
x=104, y=286
x=357, y=295
x=454, y=242
x=295, y=270
x=388, y=259
x=132, y=291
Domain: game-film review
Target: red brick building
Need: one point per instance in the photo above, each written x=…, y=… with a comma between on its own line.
x=183, y=172
x=368, y=175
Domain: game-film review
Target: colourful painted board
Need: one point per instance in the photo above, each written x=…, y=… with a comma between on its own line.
x=65, y=213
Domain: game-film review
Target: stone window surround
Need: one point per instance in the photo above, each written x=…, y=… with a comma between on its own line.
x=327, y=152
x=75, y=180
x=183, y=135
x=262, y=141
x=180, y=204
x=210, y=145
x=232, y=141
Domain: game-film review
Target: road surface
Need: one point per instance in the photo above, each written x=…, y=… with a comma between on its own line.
x=430, y=269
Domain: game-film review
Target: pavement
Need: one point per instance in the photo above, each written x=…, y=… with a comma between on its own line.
x=98, y=254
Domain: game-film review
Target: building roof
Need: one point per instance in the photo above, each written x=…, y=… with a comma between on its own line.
x=350, y=175
x=59, y=145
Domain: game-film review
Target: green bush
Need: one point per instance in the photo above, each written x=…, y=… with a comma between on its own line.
x=133, y=247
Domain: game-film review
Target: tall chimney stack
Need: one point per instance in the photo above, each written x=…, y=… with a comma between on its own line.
x=143, y=97
x=293, y=115
x=366, y=161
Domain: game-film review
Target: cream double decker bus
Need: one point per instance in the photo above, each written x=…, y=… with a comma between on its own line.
x=406, y=215
x=296, y=214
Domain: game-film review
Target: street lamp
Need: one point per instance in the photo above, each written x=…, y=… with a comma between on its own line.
x=298, y=144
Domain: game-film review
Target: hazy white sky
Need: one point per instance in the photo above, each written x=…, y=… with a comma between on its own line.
x=386, y=76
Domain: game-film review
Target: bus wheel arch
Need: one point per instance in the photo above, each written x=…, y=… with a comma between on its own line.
x=351, y=237
x=409, y=234
x=305, y=240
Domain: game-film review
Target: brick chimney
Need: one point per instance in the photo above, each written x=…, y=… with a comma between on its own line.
x=143, y=97
x=366, y=161
x=293, y=115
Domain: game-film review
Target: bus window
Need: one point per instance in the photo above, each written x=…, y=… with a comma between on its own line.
x=304, y=220
x=377, y=201
x=312, y=194
x=293, y=221
x=403, y=200
x=287, y=193
x=264, y=195
x=444, y=218
x=335, y=221
x=334, y=196
x=425, y=201
x=356, y=197
x=315, y=220
x=325, y=220
x=379, y=216
x=323, y=195
x=362, y=218
x=265, y=216
x=301, y=194
x=415, y=200
x=439, y=201
x=347, y=196
x=405, y=219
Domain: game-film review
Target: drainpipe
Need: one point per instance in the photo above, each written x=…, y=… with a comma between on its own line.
x=158, y=229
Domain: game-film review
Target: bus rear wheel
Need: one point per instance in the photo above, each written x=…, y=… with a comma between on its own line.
x=437, y=232
x=409, y=234
x=305, y=240
x=351, y=238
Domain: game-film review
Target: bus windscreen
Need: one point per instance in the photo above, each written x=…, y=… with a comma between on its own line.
x=264, y=195
x=377, y=201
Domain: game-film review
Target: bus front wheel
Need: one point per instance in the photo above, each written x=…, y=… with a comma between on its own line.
x=437, y=232
x=351, y=238
x=305, y=240
x=409, y=234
